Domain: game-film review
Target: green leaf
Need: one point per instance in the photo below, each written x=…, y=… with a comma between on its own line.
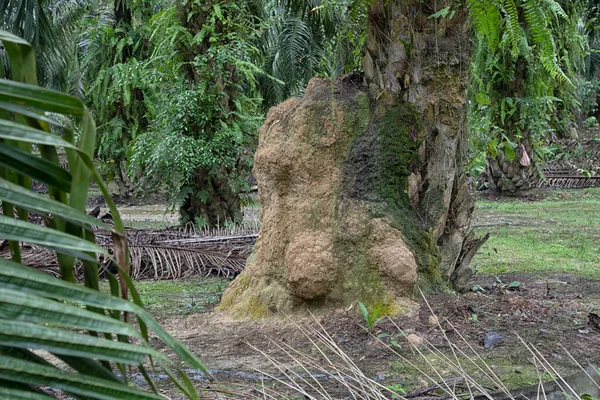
x=39, y=309
x=493, y=148
x=482, y=99
x=363, y=310
x=21, y=133
x=31, y=201
x=9, y=37
x=16, y=394
x=441, y=13
x=510, y=153
x=29, y=112
x=28, y=280
x=40, y=98
x=34, y=167
x=32, y=336
x=514, y=284
x=14, y=229
x=36, y=282
x=30, y=373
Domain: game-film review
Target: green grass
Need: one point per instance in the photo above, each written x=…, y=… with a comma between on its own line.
x=180, y=297
x=560, y=234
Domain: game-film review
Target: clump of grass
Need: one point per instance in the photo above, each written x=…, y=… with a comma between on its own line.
x=371, y=316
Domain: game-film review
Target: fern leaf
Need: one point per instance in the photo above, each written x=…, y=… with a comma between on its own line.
x=512, y=25
x=486, y=19
x=556, y=9
x=542, y=37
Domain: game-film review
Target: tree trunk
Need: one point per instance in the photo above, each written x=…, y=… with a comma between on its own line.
x=211, y=201
x=362, y=186
x=131, y=113
x=516, y=177
x=427, y=66
x=519, y=175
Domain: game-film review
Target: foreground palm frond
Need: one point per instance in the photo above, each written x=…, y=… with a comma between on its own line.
x=58, y=338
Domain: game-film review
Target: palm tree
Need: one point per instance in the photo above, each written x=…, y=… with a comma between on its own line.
x=526, y=55
x=304, y=39
x=50, y=26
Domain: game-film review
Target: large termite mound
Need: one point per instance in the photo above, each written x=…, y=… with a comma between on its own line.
x=336, y=227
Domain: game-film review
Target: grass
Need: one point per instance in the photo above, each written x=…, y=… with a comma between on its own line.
x=180, y=297
x=557, y=235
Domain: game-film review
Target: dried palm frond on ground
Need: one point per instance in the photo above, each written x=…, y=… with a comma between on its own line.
x=580, y=166
x=168, y=253
x=567, y=175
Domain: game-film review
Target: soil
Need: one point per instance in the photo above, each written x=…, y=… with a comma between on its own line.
x=550, y=313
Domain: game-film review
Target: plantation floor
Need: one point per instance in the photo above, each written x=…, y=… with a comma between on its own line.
x=539, y=281
x=550, y=313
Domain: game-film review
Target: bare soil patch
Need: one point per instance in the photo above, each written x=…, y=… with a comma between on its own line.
x=548, y=312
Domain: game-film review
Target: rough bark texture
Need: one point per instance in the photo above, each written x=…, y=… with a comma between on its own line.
x=425, y=63
x=361, y=181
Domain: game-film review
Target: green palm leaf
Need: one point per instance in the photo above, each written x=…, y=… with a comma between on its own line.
x=27, y=335
x=86, y=386
x=75, y=323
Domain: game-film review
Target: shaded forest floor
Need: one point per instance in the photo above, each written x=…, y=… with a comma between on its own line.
x=538, y=280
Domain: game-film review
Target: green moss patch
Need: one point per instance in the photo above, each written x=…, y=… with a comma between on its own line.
x=180, y=297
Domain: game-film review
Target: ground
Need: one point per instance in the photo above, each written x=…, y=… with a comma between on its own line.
x=538, y=282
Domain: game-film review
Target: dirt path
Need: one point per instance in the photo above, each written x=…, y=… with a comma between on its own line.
x=549, y=313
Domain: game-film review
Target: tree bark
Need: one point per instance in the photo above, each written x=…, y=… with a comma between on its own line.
x=211, y=201
x=516, y=177
x=425, y=62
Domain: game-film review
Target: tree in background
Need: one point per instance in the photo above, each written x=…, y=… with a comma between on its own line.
x=301, y=40
x=114, y=46
x=527, y=56
x=203, y=122
x=592, y=28
x=51, y=27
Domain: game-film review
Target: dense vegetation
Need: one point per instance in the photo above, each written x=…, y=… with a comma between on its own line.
x=529, y=83
x=88, y=331
x=178, y=89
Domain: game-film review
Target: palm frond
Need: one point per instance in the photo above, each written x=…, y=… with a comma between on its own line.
x=75, y=323
x=164, y=254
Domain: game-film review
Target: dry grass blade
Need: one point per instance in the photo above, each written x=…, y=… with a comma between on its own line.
x=307, y=374
x=549, y=369
x=310, y=375
x=595, y=381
